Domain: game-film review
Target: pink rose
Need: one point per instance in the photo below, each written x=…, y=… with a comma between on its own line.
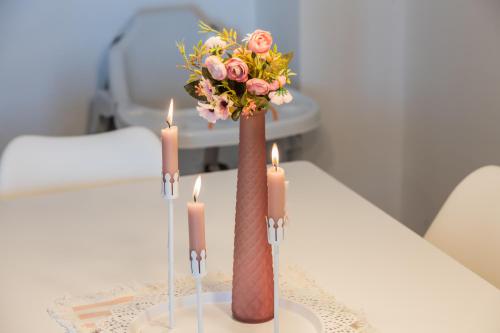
x=279, y=83
x=257, y=87
x=216, y=67
x=237, y=70
x=260, y=41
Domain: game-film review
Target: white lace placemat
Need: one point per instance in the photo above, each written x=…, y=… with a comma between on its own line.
x=112, y=311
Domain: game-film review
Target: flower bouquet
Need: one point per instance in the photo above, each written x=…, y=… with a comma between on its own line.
x=238, y=80
x=232, y=79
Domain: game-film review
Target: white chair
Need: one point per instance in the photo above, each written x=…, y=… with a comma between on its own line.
x=468, y=225
x=39, y=163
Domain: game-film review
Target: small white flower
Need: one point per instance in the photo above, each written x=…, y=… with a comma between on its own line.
x=280, y=96
x=287, y=98
x=215, y=41
x=247, y=37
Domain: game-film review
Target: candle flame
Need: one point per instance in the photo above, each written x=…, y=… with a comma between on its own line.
x=197, y=188
x=170, y=114
x=275, y=155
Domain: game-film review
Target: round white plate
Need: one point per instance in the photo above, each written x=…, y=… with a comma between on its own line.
x=294, y=317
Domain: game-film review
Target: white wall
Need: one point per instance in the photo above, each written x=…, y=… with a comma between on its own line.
x=352, y=63
x=452, y=102
x=50, y=52
x=282, y=18
x=409, y=93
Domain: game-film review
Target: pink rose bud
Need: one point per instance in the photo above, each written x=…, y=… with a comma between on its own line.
x=216, y=67
x=237, y=70
x=257, y=87
x=276, y=84
x=260, y=41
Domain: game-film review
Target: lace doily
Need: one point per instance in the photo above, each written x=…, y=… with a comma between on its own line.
x=112, y=311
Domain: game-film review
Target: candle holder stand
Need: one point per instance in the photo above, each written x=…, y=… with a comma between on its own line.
x=170, y=191
x=199, y=270
x=276, y=234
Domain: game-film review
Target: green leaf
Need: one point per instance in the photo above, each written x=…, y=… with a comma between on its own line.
x=206, y=73
x=287, y=57
x=191, y=90
x=261, y=102
x=236, y=114
x=238, y=87
x=204, y=28
x=192, y=77
x=181, y=47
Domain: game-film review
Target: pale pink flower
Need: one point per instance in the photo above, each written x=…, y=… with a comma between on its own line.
x=237, y=70
x=279, y=83
x=249, y=109
x=215, y=41
x=260, y=41
x=280, y=96
x=216, y=68
x=223, y=106
x=257, y=87
x=205, y=88
x=207, y=111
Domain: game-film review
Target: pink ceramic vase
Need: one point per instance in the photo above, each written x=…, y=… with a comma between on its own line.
x=252, y=267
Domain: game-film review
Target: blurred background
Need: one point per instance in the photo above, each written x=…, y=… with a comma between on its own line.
x=408, y=92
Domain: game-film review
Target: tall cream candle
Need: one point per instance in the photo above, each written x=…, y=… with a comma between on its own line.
x=169, y=144
x=196, y=220
x=276, y=188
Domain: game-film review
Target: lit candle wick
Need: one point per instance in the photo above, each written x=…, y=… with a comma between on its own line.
x=170, y=113
x=197, y=187
x=275, y=156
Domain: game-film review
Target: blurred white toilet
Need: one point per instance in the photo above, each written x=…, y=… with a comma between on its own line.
x=143, y=76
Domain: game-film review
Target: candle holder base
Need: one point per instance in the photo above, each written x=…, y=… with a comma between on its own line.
x=296, y=317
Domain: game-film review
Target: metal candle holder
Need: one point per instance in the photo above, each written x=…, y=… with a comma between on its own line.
x=170, y=191
x=170, y=185
x=276, y=234
x=198, y=270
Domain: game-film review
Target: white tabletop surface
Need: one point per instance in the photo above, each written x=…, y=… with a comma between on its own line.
x=87, y=240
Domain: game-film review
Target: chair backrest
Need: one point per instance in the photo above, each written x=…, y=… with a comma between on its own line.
x=39, y=163
x=468, y=225
x=150, y=56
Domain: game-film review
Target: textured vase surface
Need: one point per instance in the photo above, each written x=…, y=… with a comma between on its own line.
x=252, y=268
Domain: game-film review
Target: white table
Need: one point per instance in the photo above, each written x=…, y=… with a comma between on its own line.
x=87, y=240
